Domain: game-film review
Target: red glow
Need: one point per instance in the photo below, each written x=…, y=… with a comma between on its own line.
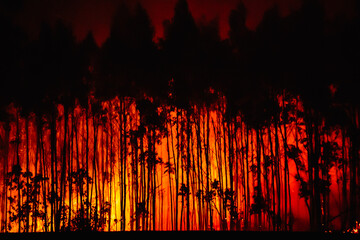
x=229, y=149
x=109, y=171
x=95, y=16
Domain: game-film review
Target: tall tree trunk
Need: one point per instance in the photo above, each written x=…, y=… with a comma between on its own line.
x=70, y=164
x=5, y=156
x=95, y=177
x=208, y=167
x=18, y=165
x=317, y=197
x=277, y=174
x=247, y=199
x=53, y=196
x=233, y=215
x=188, y=132
x=124, y=165
x=313, y=148
x=87, y=205
x=199, y=170
x=353, y=166
x=169, y=174
x=27, y=173
x=344, y=202
x=258, y=178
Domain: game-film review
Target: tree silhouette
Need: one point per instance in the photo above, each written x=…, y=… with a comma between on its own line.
x=128, y=57
x=192, y=132
x=180, y=51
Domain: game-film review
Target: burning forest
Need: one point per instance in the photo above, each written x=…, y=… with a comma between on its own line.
x=258, y=131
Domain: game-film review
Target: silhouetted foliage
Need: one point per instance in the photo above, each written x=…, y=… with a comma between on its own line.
x=270, y=109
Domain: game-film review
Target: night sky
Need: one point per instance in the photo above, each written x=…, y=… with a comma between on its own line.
x=95, y=15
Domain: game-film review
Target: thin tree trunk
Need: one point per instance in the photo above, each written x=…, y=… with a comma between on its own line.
x=208, y=167
x=286, y=167
x=95, y=179
x=199, y=171
x=344, y=202
x=169, y=175
x=188, y=132
x=27, y=172
x=258, y=176
x=353, y=165
x=18, y=164
x=277, y=173
x=124, y=166
x=70, y=164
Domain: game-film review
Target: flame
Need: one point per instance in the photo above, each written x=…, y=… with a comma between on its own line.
x=96, y=167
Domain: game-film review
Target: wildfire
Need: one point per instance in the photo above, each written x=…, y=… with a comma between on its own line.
x=128, y=165
x=356, y=229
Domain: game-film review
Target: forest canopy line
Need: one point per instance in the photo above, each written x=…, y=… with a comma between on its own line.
x=259, y=131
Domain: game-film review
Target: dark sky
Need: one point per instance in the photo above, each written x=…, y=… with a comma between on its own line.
x=95, y=15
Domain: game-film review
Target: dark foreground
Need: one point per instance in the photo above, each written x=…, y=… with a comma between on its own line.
x=204, y=235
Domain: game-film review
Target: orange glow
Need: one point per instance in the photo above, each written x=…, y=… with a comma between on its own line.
x=103, y=168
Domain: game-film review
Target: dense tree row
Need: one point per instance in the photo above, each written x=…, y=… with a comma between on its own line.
x=257, y=131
